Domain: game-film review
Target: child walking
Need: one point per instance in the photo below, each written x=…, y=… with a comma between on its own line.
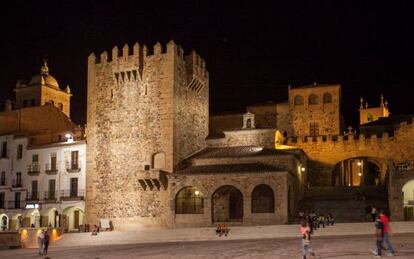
x=306, y=246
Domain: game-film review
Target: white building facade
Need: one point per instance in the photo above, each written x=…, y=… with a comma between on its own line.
x=43, y=186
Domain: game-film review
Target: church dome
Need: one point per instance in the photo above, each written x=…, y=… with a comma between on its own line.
x=44, y=78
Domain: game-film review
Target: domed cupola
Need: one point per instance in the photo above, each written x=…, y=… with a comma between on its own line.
x=44, y=78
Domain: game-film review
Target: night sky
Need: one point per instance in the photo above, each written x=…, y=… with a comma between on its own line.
x=253, y=50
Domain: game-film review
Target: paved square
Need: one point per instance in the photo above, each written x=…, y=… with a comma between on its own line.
x=355, y=247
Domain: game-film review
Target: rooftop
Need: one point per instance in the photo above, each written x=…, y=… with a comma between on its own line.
x=230, y=168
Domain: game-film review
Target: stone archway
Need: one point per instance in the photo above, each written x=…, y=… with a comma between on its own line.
x=227, y=204
x=408, y=200
x=359, y=171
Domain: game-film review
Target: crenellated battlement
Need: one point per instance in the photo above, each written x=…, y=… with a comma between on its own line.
x=197, y=74
x=128, y=63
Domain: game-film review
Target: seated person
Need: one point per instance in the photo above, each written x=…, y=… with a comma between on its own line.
x=224, y=230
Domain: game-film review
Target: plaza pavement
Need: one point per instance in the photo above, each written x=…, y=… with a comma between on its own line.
x=208, y=234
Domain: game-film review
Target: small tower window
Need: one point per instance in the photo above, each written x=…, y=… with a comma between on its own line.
x=327, y=98
x=313, y=99
x=298, y=100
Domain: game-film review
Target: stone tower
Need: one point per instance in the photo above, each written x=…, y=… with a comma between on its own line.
x=42, y=89
x=147, y=110
x=315, y=110
x=367, y=115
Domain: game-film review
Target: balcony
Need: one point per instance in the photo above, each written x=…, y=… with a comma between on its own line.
x=32, y=197
x=17, y=183
x=51, y=169
x=73, y=167
x=50, y=197
x=15, y=205
x=33, y=169
x=70, y=195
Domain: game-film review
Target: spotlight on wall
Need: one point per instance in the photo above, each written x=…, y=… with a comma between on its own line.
x=69, y=137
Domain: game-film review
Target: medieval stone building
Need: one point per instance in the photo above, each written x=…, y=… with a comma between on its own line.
x=156, y=158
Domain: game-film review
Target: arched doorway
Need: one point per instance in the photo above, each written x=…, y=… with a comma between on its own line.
x=227, y=204
x=72, y=218
x=358, y=171
x=408, y=200
x=263, y=200
x=32, y=218
x=16, y=222
x=4, y=222
x=189, y=200
x=52, y=218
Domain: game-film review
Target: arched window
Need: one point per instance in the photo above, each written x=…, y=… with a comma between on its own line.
x=327, y=98
x=158, y=161
x=313, y=99
x=248, y=123
x=263, y=199
x=298, y=100
x=189, y=200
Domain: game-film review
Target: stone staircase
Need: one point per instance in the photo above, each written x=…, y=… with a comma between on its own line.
x=342, y=202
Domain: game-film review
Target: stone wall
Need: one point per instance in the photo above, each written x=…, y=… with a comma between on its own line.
x=326, y=115
x=245, y=137
x=325, y=151
x=139, y=105
x=245, y=183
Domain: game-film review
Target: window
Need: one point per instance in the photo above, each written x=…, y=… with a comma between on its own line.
x=2, y=197
x=19, y=151
x=35, y=158
x=17, y=197
x=74, y=159
x=298, y=100
x=327, y=98
x=34, y=190
x=18, y=179
x=4, y=150
x=314, y=129
x=3, y=178
x=189, y=200
x=52, y=186
x=313, y=99
x=249, y=123
x=53, y=161
x=73, y=187
x=263, y=199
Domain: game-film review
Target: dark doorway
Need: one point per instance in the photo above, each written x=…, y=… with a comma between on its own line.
x=227, y=205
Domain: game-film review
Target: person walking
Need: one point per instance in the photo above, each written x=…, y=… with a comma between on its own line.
x=387, y=231
x=379, y=237
x=373, y=213
x=41, y=241
x=306, y=246
x=46, y=242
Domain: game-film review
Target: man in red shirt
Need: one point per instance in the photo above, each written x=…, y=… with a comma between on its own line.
x=387, y=230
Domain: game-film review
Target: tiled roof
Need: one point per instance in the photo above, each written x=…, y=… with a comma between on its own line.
x=241, y=151
x=230, y=168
